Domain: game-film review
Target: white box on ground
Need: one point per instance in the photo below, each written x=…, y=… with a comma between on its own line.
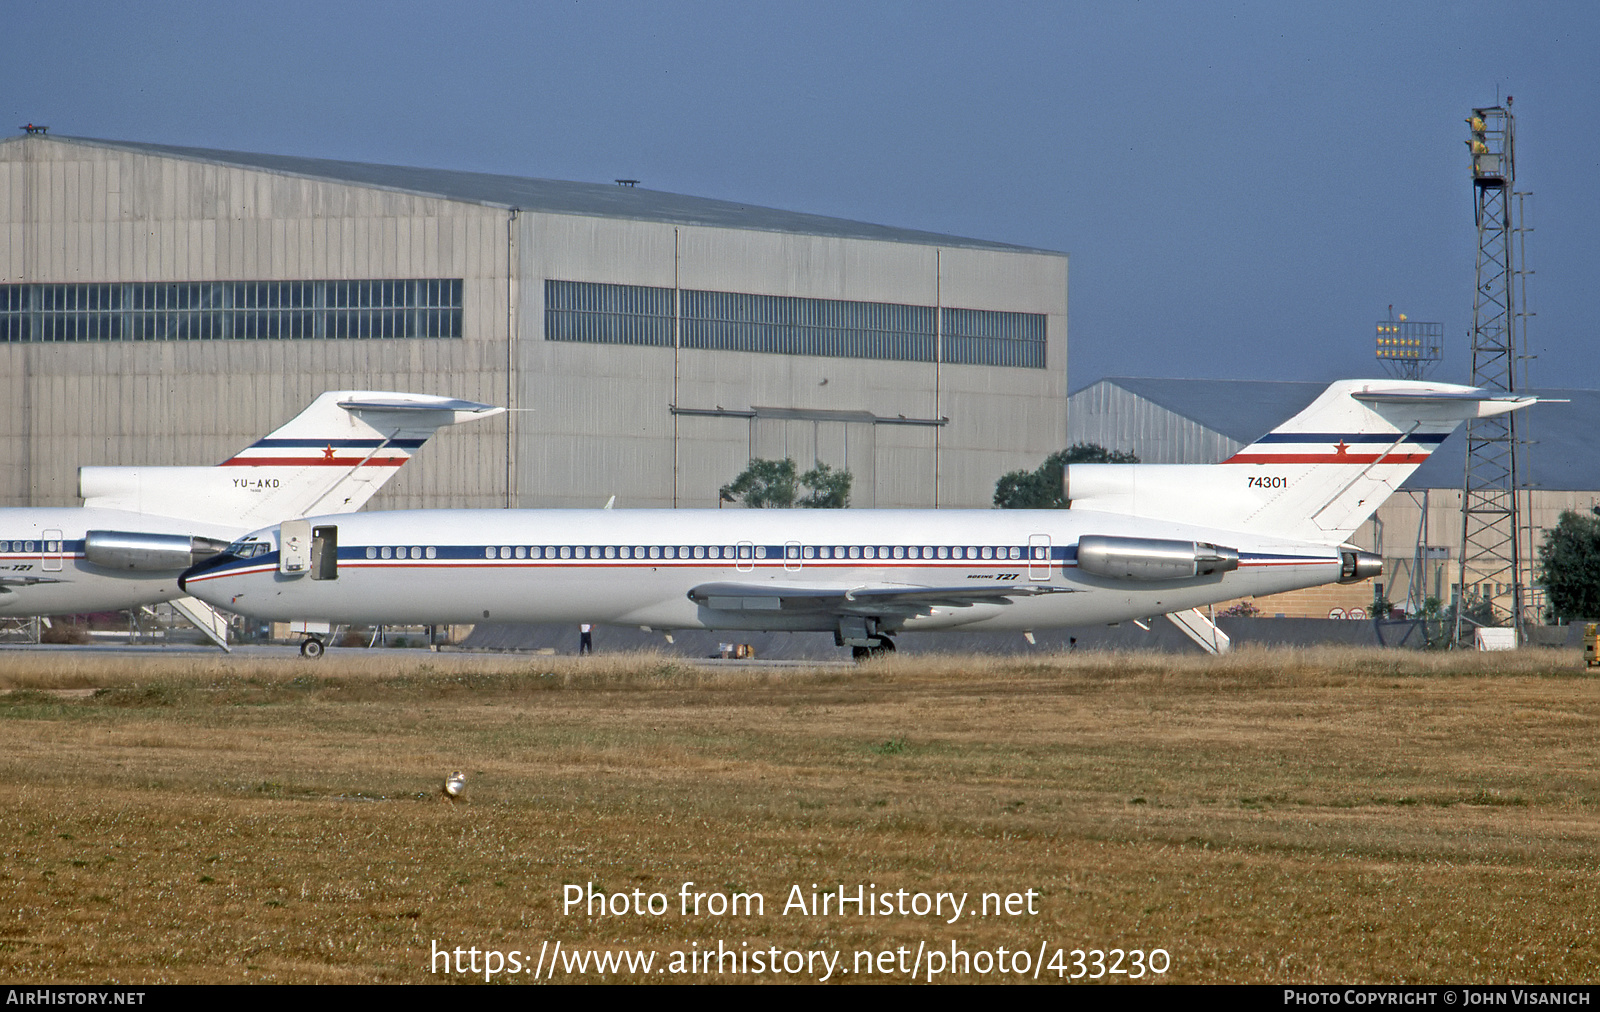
x=1496, y=639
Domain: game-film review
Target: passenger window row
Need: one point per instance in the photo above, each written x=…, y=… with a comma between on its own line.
x=747, y=551
x=403, y=552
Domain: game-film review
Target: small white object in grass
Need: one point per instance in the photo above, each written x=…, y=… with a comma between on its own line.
x=455, y=783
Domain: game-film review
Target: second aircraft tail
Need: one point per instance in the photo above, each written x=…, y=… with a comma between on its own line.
x=1316, y=477
x=331, y=458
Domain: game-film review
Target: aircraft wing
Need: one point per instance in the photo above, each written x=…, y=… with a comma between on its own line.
x=878, y=600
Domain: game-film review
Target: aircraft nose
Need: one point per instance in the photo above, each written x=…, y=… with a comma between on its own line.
x=219, y=559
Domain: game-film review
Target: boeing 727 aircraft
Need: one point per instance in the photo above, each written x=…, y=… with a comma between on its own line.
x=1139, y=540
x=140, y=527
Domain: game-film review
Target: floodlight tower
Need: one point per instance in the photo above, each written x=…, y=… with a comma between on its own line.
x=1409, y=349
x=1493, y=559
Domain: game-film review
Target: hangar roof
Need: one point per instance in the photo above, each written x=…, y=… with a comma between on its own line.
x=1561, y=436
x=1239, y=409
x=558, y=196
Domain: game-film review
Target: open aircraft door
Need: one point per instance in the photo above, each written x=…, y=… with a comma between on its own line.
x=294, y=547
x=306, y=549
x=1038, y=556
x=325, y=552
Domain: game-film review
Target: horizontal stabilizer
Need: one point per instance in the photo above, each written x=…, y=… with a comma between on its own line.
x=1462, y=404
x=419, y=402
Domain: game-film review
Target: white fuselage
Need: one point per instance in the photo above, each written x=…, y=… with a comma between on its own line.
x=637, y=567
x=43, y=570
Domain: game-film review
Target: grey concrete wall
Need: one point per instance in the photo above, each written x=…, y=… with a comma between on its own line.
x=1161, y=637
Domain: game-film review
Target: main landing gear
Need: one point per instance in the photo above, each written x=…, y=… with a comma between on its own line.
x=880, y=645
x=863, y=636
x=312, y=648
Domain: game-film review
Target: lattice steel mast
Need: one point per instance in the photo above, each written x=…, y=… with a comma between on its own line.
x=1492, y=555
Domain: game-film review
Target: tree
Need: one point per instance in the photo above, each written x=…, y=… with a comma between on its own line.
x=1569, y=567
x=830, y=489
x=764, y=484
x=1041, y=489
x=1439, y=621
x=773, y=484
x=1382, y=607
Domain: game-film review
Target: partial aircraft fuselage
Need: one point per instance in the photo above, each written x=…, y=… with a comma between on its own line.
x=45, y=568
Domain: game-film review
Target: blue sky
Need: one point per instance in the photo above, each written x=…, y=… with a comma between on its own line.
x=1244, y=188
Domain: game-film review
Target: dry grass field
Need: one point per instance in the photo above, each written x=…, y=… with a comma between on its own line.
x=1271, y=816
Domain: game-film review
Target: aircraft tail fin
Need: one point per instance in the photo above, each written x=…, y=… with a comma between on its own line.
x=331, y=458
x=1316, y=477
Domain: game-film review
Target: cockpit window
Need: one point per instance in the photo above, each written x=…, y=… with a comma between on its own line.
x=249, y=548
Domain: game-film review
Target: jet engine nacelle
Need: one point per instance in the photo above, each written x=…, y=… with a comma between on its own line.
x=1356, y=566
x=1152, y=558
x=148, y=552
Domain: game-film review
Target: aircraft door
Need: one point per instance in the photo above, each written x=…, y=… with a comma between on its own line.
x=52, y=548
x=294, y=547
x=325, y=553
x=1038, y=556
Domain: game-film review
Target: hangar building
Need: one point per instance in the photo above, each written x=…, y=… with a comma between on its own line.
x=1418, y=531
x=168, y=305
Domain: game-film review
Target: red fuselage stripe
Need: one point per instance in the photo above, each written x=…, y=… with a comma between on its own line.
x=719, y=564
x=313, y=462
x=1325, y=458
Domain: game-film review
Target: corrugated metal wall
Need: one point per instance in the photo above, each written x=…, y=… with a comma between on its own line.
x=78, y=213
x=592, y=421
x=600, y=421
x=1117, y=419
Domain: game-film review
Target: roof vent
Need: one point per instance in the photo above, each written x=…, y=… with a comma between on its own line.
x=629, y=183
